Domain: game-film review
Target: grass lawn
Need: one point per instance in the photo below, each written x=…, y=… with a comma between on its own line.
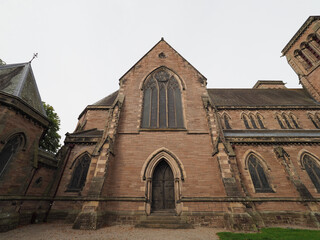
x=273, y=233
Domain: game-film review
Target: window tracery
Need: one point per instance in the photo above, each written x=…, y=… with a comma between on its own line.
x=162, y=105
x=11, y=147
x=225, y=121
x=80, y=172
x=313, y=169
x=258, y=175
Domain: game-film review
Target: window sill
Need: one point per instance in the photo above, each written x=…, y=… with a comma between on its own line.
x=265, y=191
x=73, y=190
x=163, y=130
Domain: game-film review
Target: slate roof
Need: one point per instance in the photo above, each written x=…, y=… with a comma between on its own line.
x=261, y=97
x=107, y=101
x=18, y=80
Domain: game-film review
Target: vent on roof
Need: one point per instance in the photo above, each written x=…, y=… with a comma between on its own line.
x=266, y=84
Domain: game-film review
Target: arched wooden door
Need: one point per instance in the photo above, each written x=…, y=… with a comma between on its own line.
x=163, y=187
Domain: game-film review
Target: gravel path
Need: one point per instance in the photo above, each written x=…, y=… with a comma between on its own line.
x=65, y=231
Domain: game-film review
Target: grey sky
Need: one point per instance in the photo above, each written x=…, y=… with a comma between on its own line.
x=85, y=46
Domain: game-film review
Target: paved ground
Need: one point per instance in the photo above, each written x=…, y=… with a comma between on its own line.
x=64, y=231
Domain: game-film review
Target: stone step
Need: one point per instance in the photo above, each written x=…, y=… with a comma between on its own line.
x=169, y=221
x=164, y=225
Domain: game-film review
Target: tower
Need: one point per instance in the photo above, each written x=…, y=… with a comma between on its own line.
x=303, y=55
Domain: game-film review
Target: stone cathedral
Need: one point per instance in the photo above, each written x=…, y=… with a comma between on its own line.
x=166, y=151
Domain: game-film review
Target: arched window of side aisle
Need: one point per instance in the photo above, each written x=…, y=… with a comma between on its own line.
x=258, y=175
x=162, y=105
x=80, y=172
x=313, y=169
x=12, y=146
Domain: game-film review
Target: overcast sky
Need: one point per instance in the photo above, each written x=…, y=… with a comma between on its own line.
x=85, y=46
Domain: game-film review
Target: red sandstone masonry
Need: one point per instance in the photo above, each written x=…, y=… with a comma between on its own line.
x=16, y=175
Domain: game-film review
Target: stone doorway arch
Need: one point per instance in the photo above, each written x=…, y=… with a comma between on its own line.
x=163, y=156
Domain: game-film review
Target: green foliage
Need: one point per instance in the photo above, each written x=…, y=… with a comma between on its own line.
x=50, y=141
x=273, y=234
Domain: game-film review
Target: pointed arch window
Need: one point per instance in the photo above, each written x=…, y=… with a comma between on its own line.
x=162, y=105
x=12, y=146
x=226, y=119
x=287, y=121
x=260, y=121
x=253, y=121
x=80, y=172
x=246, y=121
x=294, y=121
x=258, y=175
x=278, y=117
x=313, y=170
x=315, y=119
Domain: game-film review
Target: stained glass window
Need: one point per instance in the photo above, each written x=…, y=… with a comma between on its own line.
x=258, y=176
x=162, y=105
x=313, y=170
x=9, y=150
x=79, y=175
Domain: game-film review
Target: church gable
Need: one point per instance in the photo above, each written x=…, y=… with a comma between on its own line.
x=162, y=54
x=175, y=89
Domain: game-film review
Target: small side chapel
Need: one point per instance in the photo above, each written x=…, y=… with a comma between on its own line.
x=166, y=151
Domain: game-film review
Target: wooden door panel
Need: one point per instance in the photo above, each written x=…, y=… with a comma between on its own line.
x=163, y=187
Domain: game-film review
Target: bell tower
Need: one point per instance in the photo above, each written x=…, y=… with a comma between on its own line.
x=303, y=55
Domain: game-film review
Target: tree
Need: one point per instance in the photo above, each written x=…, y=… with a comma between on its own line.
x=2, y=62
x=50, y=141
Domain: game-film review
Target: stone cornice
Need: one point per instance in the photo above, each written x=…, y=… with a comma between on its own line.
x=268, y=107
x=273, y=136
x=143, y=199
